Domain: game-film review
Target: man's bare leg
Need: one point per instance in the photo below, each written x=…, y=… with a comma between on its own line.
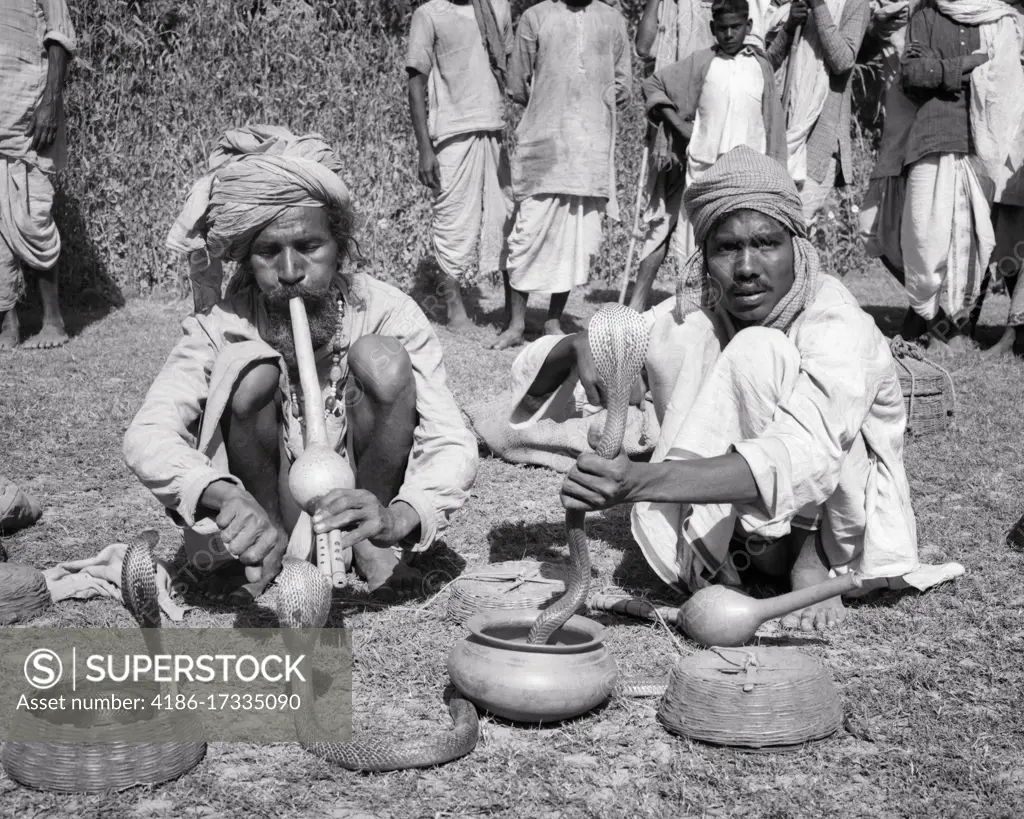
x=810, y=568
x=553, y=325
x=1003, y=347
x=516, y=330
x=458, y=320
x=9, y=329
x=251, y=435
x=381, y=402
x=646, y=275
x=52, y=333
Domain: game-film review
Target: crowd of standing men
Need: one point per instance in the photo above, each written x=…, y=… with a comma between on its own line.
x=944, y=201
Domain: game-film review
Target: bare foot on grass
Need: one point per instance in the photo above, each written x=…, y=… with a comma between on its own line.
x=388, y=579
x=553, y=327
x=822, y=616
x=9, y=332
x=1003, y=347
x=51, y=336
x=512, y=337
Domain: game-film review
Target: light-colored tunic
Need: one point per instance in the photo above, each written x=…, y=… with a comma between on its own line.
x=570, y=67
x=446, y=45
x=174, y=444
x=817, y=414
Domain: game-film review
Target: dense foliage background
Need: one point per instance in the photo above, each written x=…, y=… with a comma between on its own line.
x=157, y=81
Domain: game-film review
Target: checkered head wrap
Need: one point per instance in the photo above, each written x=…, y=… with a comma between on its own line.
x=744, y=179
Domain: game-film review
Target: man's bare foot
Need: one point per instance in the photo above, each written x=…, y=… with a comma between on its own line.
x=237, y=585
x=9, y=334
x=512, y=337
x=1003, y=347
x=52, y=335
x=388, y=579
x=553, y=327
x=821, y=616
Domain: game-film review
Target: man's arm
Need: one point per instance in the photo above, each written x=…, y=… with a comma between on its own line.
x=782, y=44
x=647, y=31
x=429, y=170
x=623, y=63
x=419, y=60
x=520, y=68
x=841, y=42
x=160, y=443
x=47, y=114
x=923, y=68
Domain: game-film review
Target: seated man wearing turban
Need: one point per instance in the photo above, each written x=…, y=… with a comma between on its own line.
x=781, y=415
x=222, y=422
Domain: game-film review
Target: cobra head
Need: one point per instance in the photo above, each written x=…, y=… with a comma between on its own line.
x=138, y=580
x=303, y=595
x=618, y=338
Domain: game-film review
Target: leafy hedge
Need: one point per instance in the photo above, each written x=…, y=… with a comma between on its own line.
x=159, y=80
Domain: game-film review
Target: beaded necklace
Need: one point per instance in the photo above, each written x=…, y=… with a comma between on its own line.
x=334, y=404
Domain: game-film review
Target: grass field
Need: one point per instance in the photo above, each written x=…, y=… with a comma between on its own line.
x=931, y=683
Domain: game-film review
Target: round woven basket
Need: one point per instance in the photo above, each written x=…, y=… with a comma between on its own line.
x=928, y=393
x=513, y=585
x=755, y=698
x=102, y=754
x=23, y=593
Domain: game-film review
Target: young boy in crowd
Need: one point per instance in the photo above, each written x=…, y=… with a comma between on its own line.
x=459, y=49
x=716, y=100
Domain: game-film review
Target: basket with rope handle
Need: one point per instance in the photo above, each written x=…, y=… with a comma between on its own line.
x=928, y=392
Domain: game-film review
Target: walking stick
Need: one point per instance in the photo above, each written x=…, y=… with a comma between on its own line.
x=788, y=86
x=641, y=184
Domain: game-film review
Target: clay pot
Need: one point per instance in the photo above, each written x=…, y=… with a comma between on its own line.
x=495, y=668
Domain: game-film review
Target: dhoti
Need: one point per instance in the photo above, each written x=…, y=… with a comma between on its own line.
x=946, y=234
x=27, y=230
x=553, y=241
x=474, y=204
x=721, y=397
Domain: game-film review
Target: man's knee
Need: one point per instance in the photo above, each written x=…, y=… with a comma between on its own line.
x=382, y=367
x=255, y=390
x=762, y=354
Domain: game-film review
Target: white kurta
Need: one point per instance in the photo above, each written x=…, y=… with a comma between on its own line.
x=818, y=415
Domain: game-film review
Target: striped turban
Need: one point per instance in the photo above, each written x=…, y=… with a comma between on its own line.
x=744, y=179
x=254, y=175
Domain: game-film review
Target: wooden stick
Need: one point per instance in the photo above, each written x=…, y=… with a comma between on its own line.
x=788, y=87
x=634, y=607
x=641, y=184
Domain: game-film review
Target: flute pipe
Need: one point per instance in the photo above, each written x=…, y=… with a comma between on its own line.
x=312, y=396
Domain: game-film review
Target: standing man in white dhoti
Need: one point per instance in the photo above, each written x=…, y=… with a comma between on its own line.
x=819, y=67
x=37, y=42
x=963, y=66
x=570, y=67
x=781, y=412
x=459, y=48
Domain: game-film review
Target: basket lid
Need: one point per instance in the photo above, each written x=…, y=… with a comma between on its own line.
x=514, y=584
x=751, y=697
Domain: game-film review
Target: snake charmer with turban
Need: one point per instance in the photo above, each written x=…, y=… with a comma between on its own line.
x=781, y=415
x=223, y=420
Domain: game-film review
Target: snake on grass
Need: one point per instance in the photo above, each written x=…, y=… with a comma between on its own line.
x=618, y=339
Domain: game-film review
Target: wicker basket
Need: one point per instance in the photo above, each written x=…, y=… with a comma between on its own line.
x=511, y=586
x=755, y=698
x=23, y=593
x=104, y=755
x=928, y=392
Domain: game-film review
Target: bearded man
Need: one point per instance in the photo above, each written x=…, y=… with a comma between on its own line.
x=222, y=422
x=781, y=414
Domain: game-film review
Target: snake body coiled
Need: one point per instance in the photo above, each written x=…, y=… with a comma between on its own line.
x=304, y=601
x=618, y=339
